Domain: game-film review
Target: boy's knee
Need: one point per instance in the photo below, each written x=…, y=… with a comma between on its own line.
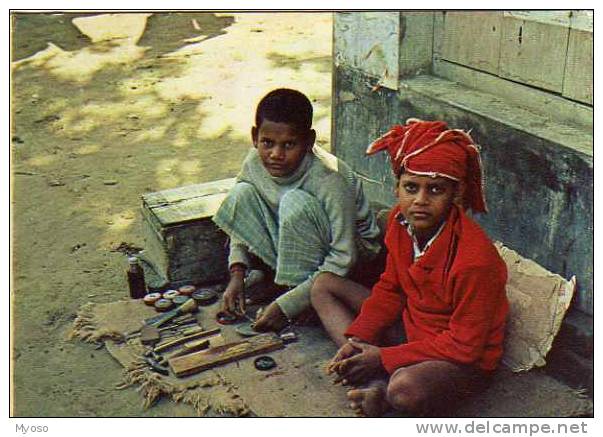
x=293, y=204
x=404, y=393
x=321, y=286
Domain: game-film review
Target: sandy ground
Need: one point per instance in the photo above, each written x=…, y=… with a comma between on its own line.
x=105, y=108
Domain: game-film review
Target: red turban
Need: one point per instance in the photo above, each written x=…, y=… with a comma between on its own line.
x=429, y=148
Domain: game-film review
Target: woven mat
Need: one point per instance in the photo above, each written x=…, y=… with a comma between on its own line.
x=298, y=386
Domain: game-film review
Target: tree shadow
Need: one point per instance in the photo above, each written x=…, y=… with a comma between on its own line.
x=182, y=27
x=31, y=33
x=321, y=63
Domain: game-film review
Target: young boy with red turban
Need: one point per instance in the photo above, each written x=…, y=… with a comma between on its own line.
x=443, y=277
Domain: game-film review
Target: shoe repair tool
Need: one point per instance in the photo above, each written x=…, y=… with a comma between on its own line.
x=246, y=329
x=187, y=307
x=163, y=305
x=187, y=290
x=149, y=335
x=176, y=327
x=158, y=358
x=190, y=347
x=192, y=330
x=215, y=356
x=288, y=337
x=225, y=318
x=151, y=298
x=180, y=299
x=156, y=367
x=163, y=346
x=185, y=318
x=176, y=324
x=264, y=363
x=170, y=294
x=205, y=296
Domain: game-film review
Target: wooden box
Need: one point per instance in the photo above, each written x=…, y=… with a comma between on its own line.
x=182, y=243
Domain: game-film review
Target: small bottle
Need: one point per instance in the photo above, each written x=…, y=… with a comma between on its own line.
x=136, y=282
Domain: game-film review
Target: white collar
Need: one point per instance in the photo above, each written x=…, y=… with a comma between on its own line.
x=417, y=252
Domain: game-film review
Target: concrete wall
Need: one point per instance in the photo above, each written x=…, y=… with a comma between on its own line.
x=539, y=172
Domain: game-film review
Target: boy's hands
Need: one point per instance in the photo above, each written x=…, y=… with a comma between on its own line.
x=356, y=362
x=345, y=351
x=234, y=295
x=271, y=319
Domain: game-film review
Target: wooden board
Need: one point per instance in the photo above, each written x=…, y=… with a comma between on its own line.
x=533, y=52
x=539, y=101
x=176, y=195
x=197, y=362
x=472, y=39
x=416, y=44
x=187, y=203
x=181, y=241
x=578, y=80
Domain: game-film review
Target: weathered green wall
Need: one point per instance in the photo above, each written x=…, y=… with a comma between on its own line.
x=539, y=190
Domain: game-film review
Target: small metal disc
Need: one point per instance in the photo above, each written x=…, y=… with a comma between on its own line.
x=163, y=305
x=246, y=329
x=180, y=299
x=151, y=298
x=205, y=296
x=264, y=363
x=170, y=294
x=187, y=290
x=224, y=318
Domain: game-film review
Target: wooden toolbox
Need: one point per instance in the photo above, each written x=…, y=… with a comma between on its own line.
x=182, y=243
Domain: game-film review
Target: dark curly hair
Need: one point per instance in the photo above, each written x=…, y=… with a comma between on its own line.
x=285, y=105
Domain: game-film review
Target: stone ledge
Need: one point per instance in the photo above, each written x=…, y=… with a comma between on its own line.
x=575, y=137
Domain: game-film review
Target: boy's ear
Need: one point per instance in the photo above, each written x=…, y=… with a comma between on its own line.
x=254, y=136
x=310, y=139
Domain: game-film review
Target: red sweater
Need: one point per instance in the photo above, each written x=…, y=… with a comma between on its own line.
x=452, y=299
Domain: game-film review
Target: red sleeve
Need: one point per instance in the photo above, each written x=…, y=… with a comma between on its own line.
x=479, y=295
x=384, y=306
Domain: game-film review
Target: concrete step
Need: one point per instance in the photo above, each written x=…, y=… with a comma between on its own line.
x=571, y=357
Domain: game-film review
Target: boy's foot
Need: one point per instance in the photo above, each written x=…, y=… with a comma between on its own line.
x=370, y=401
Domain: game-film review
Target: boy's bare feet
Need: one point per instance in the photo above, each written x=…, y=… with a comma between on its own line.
x=371, y=400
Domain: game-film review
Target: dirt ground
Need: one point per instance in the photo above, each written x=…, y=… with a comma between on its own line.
x=105, y=108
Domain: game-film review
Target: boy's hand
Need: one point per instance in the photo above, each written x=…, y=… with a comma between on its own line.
x=362, y=365
x=234, y=295
x=271, y=319
x=345, y=351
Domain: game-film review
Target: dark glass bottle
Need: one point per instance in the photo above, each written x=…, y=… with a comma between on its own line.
x=136, y=282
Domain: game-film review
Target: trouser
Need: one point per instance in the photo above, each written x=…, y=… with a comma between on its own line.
x=293, y=242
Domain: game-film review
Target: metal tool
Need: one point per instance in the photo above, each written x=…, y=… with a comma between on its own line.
x=173, y=328
x=264, y=363
x=156, y=367
x=190, y=347
x=163, y=346
x=187, y=307
x=246, y=329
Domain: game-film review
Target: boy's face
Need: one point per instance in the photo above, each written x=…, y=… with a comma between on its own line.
x=281, y=146
x=425, y=201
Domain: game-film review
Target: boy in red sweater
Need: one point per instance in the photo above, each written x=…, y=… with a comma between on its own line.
x=443, y=276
